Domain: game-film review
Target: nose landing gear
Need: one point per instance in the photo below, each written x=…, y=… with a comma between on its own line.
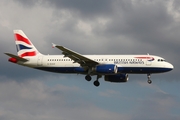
x=148, y=76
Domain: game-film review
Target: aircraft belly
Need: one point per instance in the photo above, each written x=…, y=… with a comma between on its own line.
x=58, y=69
x=143, y=70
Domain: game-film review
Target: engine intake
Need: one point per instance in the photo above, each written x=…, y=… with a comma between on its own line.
x=116, y=78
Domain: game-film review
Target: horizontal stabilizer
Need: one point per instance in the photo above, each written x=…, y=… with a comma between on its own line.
x=16, y=57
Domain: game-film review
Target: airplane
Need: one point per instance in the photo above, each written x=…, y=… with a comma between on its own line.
x=114, y=68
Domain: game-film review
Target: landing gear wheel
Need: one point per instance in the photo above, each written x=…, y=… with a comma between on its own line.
x=96, y=83
x=149, y=81
x=149, y=76
x=88, y=77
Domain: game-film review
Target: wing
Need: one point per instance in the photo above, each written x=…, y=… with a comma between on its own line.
x=76, y=57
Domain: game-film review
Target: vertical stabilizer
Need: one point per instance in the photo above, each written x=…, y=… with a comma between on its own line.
x=24, y=46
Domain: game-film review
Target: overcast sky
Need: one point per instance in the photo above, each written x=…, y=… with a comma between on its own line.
x=90, y=27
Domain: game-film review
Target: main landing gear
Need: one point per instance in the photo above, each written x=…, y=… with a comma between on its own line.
x=88, y=77
x=96, y=82
x=148, y=76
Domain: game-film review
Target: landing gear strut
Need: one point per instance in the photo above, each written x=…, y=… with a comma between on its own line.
x=148, y=76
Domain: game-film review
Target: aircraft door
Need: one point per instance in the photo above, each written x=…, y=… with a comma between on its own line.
x=148, y=61
x=39, y=62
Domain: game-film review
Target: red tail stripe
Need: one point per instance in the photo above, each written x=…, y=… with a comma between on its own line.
x=28, y=54
x=21, y=38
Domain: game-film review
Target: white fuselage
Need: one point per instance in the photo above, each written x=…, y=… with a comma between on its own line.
x=141, y=64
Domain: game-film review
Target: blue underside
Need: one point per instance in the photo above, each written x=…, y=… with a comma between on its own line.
x=133, y=70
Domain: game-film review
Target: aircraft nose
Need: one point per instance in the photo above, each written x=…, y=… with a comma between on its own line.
x=170, y=66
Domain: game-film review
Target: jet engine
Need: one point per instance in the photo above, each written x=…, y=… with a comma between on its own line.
x=106, y=69
x=116, y=78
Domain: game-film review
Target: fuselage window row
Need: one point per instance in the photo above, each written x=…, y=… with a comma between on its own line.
x=102, y=60
x=59, y=60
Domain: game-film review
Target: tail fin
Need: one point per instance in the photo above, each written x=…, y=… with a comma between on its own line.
x=24, y=46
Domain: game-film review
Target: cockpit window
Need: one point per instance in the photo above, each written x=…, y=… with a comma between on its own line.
x=161, y=60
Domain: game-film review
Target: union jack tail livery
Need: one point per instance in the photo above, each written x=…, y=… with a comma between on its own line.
x=24, y=46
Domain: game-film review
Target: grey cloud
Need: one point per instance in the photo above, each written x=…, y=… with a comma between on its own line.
x=27, y=3
x=84, y=7
x=176, y=4
x=142, y=22
x=157, y=106
x=34, y=100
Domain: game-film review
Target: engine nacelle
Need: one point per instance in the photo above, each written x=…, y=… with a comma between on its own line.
x=116, y=78
x=106, y=69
